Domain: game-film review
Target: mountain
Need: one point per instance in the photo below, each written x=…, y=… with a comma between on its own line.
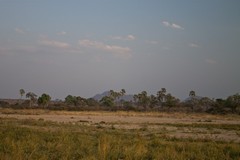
x=190, y=98
x=98, y=97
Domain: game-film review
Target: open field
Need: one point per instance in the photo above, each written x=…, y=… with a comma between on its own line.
x=43, y=134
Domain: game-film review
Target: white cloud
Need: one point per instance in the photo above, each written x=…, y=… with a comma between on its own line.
x=126, y=38
x=53, y=43
x=165, y=23
x=176, y=26
x=130, y=37
x=62, y=33
x=172, y=25
x=117, y=50
x=19, y=31
x=210, y=61
x=193, y=45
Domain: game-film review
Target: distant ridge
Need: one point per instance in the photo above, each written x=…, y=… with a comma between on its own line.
x=98, y=97
x=190, y=98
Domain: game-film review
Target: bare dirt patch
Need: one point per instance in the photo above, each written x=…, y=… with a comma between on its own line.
x=179, y=125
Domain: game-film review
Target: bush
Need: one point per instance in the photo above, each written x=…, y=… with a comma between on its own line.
x=4, y=104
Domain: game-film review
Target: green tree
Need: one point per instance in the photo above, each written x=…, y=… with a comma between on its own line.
x=92, y=102
x=33, y=97
x=44, y=100
x=161, y=95
x=171, y=101
x=71, y=100
x=115, y=96
x=143, y=99
x=153, y=101
x=81, y=101
x=75, y=100
x=22, y=92
x=107, y=101
x=233, y=102
x=206, y=102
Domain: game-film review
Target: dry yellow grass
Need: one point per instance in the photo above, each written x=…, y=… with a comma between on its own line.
x=174, y=124
x=178, y=115
x=40, y=139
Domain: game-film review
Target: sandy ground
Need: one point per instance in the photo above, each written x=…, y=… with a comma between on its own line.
x=158, y=123
x=120, y=117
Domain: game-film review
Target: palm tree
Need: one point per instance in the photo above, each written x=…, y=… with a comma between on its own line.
x=122, y=92
x=153, y=101
x=22, y=92
x=135, y=98
x=114, y=95
x=194, y=101
x=192, y=94
x=143, y=99
x=161, y=95
x=32, y=96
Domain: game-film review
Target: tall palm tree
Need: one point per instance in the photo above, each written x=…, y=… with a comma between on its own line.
x=122, y=92
x=112, y=94
x=115, y=96
x=161, y=96
x=135, y=98
x=192, y=94
x=32, y=96
x=143, y=99
x=153, y=101
x=22, y=92
x=194, y=101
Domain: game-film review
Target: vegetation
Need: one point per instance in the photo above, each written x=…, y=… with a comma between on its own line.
x=44, y=100
x=107, y=101
x=83, y=139
x=39, y=139
x=162, y=101
x=33, y=97
x=22, y=92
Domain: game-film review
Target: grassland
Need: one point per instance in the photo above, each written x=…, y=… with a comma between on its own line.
x=42, y=134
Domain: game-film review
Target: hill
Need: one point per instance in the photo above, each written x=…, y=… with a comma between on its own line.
x=98, y=97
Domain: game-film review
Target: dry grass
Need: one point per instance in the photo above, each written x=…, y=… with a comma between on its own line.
x=176, y=125
x=40, y=139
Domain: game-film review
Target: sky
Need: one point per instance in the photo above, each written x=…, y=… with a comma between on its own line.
x=85, y=47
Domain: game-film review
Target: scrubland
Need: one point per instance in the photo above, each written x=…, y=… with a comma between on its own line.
x=43, y=134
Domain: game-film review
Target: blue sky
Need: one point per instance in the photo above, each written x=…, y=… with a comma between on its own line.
x=84, y=47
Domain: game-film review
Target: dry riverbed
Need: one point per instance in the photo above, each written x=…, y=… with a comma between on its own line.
x=179, y=125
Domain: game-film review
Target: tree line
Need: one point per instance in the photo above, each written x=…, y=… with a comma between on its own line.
x=161, y=101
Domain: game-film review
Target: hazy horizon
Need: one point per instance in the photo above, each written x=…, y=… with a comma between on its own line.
x=86, y=47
